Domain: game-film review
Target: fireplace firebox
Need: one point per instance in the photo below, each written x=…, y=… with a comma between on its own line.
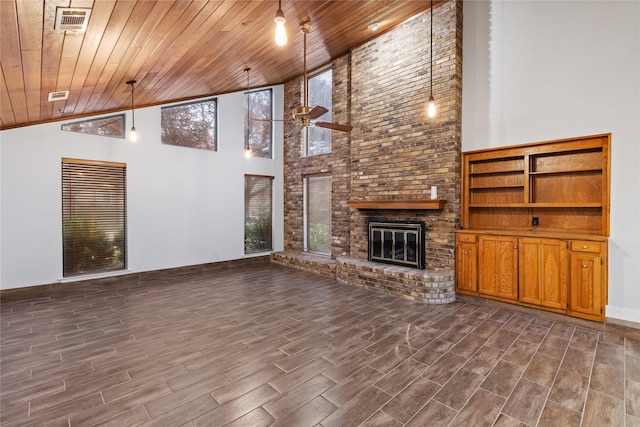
x=397, y=242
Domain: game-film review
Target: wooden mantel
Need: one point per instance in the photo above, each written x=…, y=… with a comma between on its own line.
x=397, y=204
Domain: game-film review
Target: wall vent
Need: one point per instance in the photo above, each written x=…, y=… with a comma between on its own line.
x=58, y=96
x=72, y=19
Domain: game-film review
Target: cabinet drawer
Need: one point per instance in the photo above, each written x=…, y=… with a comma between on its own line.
x=586, y=246
x=466, y=238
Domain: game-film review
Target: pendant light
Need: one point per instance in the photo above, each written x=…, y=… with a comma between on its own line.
x=281, y=33
x=431, y=108
x=247, y=148
x=133, y=136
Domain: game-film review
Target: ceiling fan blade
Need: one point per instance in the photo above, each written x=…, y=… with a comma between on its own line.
x=334, y=126
x=317, y=111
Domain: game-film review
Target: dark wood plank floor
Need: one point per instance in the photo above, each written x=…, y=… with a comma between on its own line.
x=266, y=345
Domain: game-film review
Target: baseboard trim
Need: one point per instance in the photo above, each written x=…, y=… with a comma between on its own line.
x=143, y=277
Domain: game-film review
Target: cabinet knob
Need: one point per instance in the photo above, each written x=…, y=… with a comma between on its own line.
x=466, y=238
x=585, y=247
x=466, y=253
x=585, y=266
x=515, y=247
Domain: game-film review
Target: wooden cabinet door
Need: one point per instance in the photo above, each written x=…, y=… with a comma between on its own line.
x=585, y=286
x=543, y=272
x=467, y=268
x=498, y=266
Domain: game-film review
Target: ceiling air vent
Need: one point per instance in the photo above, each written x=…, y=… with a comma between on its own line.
x=58, y=96
x=72, y=19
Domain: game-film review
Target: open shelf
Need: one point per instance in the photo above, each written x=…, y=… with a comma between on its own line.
x=483, y=187
x=568, y=171
x=504, y=172
x=503, y=188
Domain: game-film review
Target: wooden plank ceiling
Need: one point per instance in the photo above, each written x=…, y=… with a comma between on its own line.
x=176, y=50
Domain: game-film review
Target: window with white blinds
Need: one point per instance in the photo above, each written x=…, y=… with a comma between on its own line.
x=258, y=213
x=94, y=212
x=317, y=214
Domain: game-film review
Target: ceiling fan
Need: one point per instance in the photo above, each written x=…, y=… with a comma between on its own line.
x=305, y=115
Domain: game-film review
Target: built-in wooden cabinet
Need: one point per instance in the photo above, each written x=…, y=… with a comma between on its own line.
x=588, y=279
x=543, y=272
x=535, y=218
x=498, y=266
x=467, y=263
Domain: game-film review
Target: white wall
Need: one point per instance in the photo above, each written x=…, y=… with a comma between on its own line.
x=542, y=70
x=185, y=206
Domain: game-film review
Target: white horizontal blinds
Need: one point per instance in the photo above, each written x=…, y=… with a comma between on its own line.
x=318, y=214
x=94, y=212
x=258, y=213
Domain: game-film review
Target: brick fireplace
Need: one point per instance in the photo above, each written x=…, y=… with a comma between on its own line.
x=393, y=153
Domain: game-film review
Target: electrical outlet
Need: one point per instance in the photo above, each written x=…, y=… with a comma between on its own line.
x=534, y=221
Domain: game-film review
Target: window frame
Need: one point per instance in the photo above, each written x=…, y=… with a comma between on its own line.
x=86, y=213
x=306, y=230
x=325, y=117
x=121, y=116
x=271, y=212
x=184, y=104
x=248, y=128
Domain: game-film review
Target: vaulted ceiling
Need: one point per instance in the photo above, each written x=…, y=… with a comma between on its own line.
x=176, y=50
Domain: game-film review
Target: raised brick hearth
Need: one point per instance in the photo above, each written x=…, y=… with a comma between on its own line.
x=411, y=283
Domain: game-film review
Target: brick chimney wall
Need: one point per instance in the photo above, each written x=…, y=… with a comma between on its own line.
x=394, y=150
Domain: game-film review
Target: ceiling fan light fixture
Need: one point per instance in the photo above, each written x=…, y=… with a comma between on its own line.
x=281, y=32
x=133, y=135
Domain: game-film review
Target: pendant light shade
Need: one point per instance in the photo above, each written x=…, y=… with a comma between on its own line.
x=431, y=106
x=133, y=135
x=281, y=33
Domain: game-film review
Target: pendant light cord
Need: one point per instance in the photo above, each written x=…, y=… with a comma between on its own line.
x=304, y=65
x=133, y=114
x=133, y=110
x=246, y=129
x=431, y=49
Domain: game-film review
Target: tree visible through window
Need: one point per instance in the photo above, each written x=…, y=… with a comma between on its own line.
x=112, y=126
x=94, y=210
x=258, y=213
x=319, y=139
x=258, y=122
x=317, y=214
x=192, y=125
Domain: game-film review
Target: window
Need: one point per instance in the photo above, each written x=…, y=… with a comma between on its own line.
x=192, y=125
x=112, y=126
x=94, y=212
x=317, y=214
x=319, y=139
x=258, y=213
x=258, y=122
